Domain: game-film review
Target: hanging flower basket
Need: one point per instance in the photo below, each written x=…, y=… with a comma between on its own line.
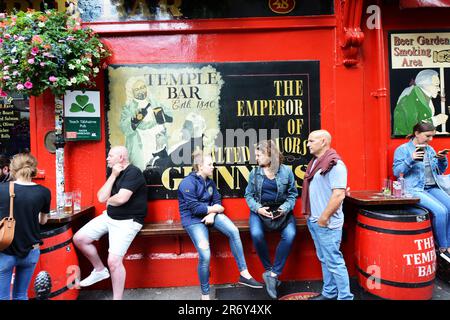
x=47, y=50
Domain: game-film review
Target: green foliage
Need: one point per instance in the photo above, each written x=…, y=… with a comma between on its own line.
x=47, y=50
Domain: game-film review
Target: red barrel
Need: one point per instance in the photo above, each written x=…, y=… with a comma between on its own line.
x=59, y=259
x=395, y=254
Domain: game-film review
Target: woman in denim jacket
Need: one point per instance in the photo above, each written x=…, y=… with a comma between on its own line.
x=271, y=182
x=420, y=169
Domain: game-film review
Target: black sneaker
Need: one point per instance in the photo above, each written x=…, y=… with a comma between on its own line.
x=320, y=297
x=445, y=255
x=271, y=284
x=252, y=283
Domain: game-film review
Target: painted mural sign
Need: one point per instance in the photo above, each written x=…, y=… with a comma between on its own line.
x=163, y=112
x=24, y=5
x=82, y=115
x=141, y=10
x=113, y=10
x=419, y=71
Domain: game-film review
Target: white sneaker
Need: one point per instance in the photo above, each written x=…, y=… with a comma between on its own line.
x=95, y=277
x=445, y=255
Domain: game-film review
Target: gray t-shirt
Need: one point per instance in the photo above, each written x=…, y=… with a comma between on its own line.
x=429, y=179
x=320, y=190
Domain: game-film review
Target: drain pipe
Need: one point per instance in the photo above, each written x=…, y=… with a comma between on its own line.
x=381, y=95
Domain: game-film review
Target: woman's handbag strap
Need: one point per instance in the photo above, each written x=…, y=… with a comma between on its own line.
x=11, y=199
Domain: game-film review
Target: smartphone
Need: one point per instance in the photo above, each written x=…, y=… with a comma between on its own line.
x=420, y=147
x=276, y=214
x=444, y=151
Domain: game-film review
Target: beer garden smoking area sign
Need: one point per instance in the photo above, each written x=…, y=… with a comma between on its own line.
x=418, y=97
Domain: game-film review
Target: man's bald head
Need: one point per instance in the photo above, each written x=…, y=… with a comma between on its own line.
x=120, y=150
x=322, y=134
x=117, y=154
x=319, y=141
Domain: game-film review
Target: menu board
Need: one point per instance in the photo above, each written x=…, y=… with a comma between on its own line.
x=14, y=124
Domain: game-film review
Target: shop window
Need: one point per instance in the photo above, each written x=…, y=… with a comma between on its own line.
x=14, y=124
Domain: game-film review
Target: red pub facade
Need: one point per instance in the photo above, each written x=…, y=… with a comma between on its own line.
x=349, y=39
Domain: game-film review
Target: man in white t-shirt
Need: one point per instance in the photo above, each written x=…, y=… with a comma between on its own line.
x=322, y=196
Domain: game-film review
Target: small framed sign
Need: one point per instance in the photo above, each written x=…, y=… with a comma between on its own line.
x=82, y=115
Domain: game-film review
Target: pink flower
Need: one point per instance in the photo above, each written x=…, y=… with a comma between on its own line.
x=34, y=51
x=42, y=64
x=3, y=93
x=28, y=85
x=1, y=40
x=52, y=79
x=31, y=61
x=19, y=86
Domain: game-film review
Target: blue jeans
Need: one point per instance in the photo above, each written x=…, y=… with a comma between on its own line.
x=335, y=275
x=283, y=248
x=438, y=203
x=200, y=237
x=24, y=271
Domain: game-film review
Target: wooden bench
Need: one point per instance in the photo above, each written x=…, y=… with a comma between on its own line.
x=163, y=229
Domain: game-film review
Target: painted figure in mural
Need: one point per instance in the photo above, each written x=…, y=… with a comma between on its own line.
x=271, y=195
x=201, y=208
x=31, y=208
x=143, y=122
x=420, y=167
x=125, y=195
x=323, y=192
x=191, y=138
x=415, y=103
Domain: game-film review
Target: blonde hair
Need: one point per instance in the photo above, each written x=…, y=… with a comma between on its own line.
x=198, y=156
x=23, y=165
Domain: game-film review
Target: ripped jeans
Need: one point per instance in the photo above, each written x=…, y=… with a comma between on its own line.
x=200, y=237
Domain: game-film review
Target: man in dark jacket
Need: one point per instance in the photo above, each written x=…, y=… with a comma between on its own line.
x=200, y=207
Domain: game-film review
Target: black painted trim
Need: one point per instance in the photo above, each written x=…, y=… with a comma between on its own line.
x=397, y=284
x=58, y=246
x=58, y=292
x=389, y=231
x=54, y=232
x=412, y=217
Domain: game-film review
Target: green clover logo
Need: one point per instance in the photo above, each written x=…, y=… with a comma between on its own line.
x=82, y=104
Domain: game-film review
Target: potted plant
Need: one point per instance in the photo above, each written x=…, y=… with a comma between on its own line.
x=48, y=50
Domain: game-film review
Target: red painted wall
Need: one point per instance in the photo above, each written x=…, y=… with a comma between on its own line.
x=358, y=121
